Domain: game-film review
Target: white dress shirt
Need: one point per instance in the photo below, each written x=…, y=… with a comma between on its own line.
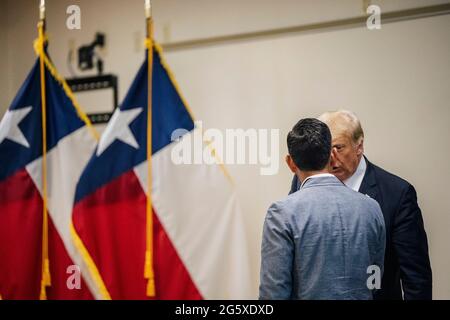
x=355, y=181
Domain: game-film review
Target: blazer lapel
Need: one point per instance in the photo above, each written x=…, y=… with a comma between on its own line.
x=369, y=183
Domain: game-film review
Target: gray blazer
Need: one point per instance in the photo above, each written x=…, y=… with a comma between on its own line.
x=319, y=242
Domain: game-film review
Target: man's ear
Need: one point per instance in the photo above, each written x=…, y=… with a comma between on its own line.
x=292, y=166
x=360, y=148
x=332, y=159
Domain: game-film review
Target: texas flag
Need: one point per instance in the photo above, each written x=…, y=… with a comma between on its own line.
x=199, y=243
x=70, y=143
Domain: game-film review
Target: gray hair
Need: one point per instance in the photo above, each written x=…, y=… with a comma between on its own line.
x=344, y=121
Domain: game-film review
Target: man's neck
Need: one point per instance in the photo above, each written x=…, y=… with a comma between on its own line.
x=303, y=175
x=355, y=180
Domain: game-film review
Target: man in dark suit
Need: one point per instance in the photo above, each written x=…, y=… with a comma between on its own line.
x=406, y=264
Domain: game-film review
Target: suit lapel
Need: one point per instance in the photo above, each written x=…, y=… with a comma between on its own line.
x=369, y=183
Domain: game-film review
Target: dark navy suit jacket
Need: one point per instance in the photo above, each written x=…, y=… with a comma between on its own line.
x=406, y=263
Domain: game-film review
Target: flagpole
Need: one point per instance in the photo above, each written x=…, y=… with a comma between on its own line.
x=149, y=273
x=46, y=279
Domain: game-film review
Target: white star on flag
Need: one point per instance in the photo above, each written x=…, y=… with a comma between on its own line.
x=9, y=126
x=119, y=129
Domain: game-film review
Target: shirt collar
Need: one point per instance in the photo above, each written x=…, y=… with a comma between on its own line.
x=316, y=176
x=354, y=182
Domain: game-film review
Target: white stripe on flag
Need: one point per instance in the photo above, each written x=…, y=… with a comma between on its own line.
x=197, y=206
x=65, y=165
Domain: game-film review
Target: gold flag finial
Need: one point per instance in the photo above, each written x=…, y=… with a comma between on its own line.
x=148, y=9
x=42, y=10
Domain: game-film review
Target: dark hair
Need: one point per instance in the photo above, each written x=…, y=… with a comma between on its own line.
x=309, y=144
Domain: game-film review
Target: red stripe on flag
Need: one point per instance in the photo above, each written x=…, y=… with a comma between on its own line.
x=21, y=243
x=111, y=223
x=20, y=238
x=59, y=264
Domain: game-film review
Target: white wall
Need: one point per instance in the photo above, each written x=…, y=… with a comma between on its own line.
x=4, y=83
x=396, y=79
x=175, y=20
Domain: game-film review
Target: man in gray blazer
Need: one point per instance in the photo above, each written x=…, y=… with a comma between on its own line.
x=325, y=240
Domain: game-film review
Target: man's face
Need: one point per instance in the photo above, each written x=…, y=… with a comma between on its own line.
x=345, y=156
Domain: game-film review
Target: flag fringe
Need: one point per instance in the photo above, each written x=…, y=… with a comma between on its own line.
x=67, y=90
x=39, y=47
x=92, y=268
